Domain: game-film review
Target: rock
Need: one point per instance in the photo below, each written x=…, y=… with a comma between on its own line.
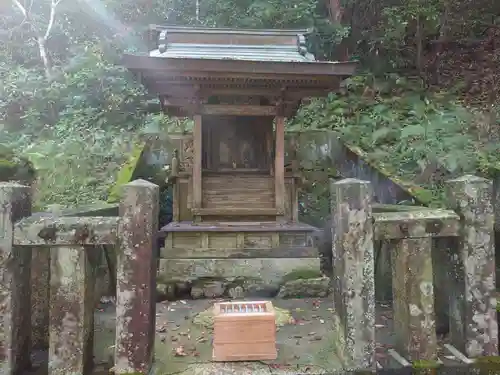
x=197, y=292
x=323, y=239
x=236, y=292
x=316, y=287
x=183, y=287
x=262, y=291
x=165, y=291
x=214, y=289
x=208, y=288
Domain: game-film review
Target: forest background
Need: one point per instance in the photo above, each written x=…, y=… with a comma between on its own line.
x=424, y=104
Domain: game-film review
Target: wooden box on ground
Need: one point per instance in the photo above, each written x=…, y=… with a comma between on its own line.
x=244, y=331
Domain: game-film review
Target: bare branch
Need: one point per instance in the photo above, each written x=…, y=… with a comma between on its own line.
x=21, y=8
x=26, y=15
x=53, y=6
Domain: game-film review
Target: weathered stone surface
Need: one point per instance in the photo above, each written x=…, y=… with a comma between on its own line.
x=165, y=291
x=236, y=292
x=412, y=283
x=353, y=270
x=424, y=223
x=261, y=290
x=197, y=292
x=316, y=287
x=40, y=297
x=71, y=327
x=136, y=278
x=208, y=289
x=473, y=321
x=68, y=230
x=267, y=271
x=15, y=286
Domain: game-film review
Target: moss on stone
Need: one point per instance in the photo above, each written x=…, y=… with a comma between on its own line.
x=7, y=169
x=298, y=274
x=127, y=173
x=490, y=360
x=425, y=364
x=486, y=365
x=14, y=167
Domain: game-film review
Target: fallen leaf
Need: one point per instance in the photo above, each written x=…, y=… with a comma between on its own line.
x=161, y=329
x=292, y=320
x=179, y=351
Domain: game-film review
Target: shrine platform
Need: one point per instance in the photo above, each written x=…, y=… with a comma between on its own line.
x=258, y=250
x=238, y=240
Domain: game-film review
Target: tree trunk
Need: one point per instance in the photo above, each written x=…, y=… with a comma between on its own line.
x=44, y=56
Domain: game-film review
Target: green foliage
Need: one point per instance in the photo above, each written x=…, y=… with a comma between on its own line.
x=77, y=129
x=402, y=129
x=127, y=173
x=79, y=126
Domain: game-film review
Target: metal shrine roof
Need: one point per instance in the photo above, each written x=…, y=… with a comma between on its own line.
x=233, y=52
x=191, y=65
x=230, y=44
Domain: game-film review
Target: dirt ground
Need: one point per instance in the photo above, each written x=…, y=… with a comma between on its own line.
x=183, y=344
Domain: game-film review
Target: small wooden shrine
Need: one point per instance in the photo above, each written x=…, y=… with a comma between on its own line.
x=232, y=190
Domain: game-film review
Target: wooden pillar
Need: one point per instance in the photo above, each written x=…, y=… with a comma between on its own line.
x=15, y=285
x=71, y=310
x=136, y=278
x=473, y=317
x=197, y=163
x=279, y=166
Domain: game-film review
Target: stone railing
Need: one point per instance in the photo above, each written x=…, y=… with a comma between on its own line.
x=73, y=244
x=470, y=276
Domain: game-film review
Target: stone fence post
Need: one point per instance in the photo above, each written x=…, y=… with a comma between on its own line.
x=413, y=298
x=473, y=321
x=136, y=278
x=15, y=284
x=353, y=270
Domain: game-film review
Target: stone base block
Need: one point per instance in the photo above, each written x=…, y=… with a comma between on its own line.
x=267, y=270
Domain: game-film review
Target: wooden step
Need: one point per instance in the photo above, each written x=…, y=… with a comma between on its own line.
x=230, y=211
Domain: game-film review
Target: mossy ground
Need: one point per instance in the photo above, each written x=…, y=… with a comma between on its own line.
x=300, y=274
x=303, y=342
